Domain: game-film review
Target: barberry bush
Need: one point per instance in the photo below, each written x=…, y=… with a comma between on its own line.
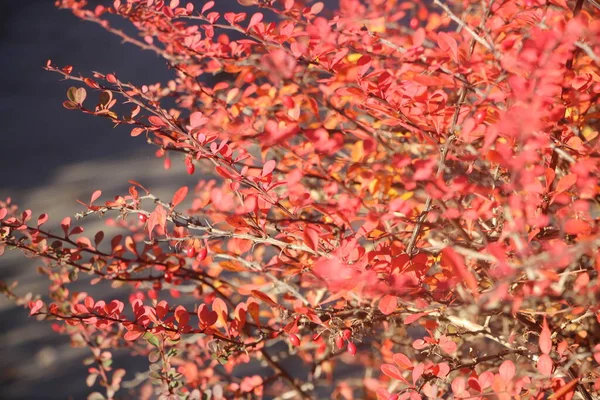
x=395, y=200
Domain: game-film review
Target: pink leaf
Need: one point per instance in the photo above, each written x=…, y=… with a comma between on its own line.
x=412, y=318
x=545, y=340
x=35, y=306
x=41, y=219
x=544, y=365
x=447, y=345
x=268, y=167
x=256, y=18
x=393, y=372
x=317, y=8
x=207, y=6
x=507, y=370
x=441, y=370
x=458, y=385
x=197, y=119
x=388, y=304
x=486, y=379
x=95, y=196
x=417, y=372
x=402, y=361
x=448, y=44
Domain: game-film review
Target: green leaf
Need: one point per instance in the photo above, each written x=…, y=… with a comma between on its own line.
x=152, y=339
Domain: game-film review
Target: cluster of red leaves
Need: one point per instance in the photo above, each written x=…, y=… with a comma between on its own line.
x=417, y=197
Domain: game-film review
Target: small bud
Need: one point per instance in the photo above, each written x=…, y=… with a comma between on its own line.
x=339, y=342
x=190, y=169
x=351, y=348
x=202, y=254
x=189, y=166
x=190, y=252
x=294, y=340
x=480, y=117
x=143, y=218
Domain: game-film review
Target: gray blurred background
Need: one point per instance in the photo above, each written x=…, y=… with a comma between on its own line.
x=50, y=157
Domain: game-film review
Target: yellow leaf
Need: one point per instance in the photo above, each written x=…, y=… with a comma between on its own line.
x=358, y=151
x=353, y=57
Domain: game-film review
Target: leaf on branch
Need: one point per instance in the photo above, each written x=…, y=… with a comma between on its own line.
x=179, y=196
x=158, y=217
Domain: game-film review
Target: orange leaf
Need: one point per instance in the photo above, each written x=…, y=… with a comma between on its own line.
x=179, y=195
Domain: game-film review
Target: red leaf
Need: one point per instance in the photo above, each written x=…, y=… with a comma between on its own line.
x=219, y=306
x=474, y=383
x=576, y=226
x=41, y=219
x=311, y=237
x=179, y=195
x=388, y=304
x=156, y=121
x=208, y=318
x=364, y=63
x=263, y=297
x=3, y=213
x=66, y=224
x=567, y=388
x=136, y=131
x=545, y=340
x=461, y=270
x=91, y=83
x=130, y=336
x=182, y=316
x=544, y=365
x=412, y=318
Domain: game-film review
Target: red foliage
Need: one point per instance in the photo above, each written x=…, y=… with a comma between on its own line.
x=414, y=185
